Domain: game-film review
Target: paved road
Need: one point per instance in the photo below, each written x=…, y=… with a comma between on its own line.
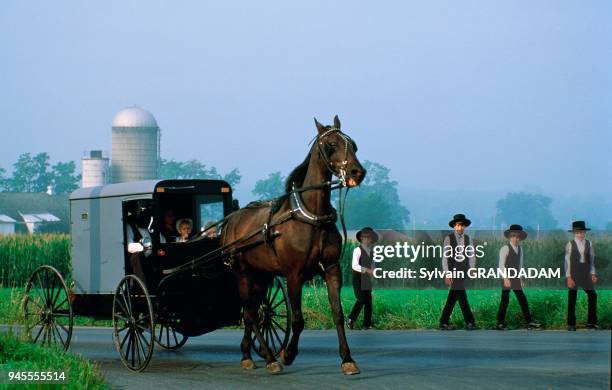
x=388, y=359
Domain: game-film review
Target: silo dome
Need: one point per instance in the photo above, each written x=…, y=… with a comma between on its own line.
x=135, y=150
x=134, y=117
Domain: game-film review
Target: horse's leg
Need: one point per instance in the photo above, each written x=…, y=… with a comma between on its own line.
x=244, y=288
x=333, y=279
x=294, y=289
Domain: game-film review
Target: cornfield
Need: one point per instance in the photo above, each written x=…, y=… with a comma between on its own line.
x=22, y=254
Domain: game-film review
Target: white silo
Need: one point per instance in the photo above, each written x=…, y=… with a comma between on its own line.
x=95, y=169
x=135, y=153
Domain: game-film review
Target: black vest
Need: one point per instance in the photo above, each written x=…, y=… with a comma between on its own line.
x=452, y=263
x=578, y=269
x=364, y=260
x=513, y=260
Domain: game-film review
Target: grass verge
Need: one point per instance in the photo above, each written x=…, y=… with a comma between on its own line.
x=17, y=354
x=404, y=309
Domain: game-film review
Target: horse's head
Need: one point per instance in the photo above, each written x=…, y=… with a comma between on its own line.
x=339, y=153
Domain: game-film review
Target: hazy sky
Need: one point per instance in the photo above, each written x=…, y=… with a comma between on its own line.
x=486, y=95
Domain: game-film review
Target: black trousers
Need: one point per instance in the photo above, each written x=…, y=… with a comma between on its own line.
x=457, y=293
x=505, y=300
x=364, y=300
x=587, y=286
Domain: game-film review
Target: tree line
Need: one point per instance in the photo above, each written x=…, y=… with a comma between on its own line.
x=375, y=202
x=34, y=173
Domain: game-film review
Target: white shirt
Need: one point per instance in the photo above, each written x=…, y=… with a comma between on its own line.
x=460, y=239
x=568, y=251
x=355, y=263
x=503, y=255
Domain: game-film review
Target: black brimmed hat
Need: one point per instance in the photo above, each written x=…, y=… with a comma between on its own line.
x=367, y=230
x=459, y=218
x=578, y=225
x=516, y=229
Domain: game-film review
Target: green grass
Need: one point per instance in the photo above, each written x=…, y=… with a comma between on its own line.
x=19, y=355
x=420, y=309
x=11, y=306
x=404, y=309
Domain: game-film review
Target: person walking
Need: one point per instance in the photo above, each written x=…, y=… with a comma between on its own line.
x=458, y=264
x=362, y=277
x=511, y=261
x=580, y=272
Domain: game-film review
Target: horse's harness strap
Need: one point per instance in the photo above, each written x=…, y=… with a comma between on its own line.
x=301, y=213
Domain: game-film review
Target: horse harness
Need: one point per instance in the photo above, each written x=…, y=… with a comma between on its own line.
x=297, y=210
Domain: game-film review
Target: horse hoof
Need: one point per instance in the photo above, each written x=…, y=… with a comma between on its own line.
x=248, y=364
x=350, y=368
x=284, y=360
x=274, y=367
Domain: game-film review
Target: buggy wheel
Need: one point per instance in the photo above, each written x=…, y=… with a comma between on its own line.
x=133, y=323
x=166, y=335
x=47, y=309
x=274, y=319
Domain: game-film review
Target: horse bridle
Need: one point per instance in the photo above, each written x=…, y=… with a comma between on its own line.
x=297, y=209
x=338, y=169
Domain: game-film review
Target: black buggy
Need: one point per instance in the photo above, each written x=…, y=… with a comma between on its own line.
x=190, y=288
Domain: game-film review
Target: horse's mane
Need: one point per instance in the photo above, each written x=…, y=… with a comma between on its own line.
x=298, y=175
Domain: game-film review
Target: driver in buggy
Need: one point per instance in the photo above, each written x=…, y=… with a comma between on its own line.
x=139, y=239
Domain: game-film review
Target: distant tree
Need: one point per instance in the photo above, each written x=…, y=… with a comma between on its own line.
x=529, y=210
x=32, y=174
x=43, y=177
x=232, y=177
x=193, y=169
x=376, y=201
x=65, y=180
x=270, y=187
x=29, y=173
x=609, y=226
x=3, y=180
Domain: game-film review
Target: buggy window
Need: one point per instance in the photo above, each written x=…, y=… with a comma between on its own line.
x=209, y=209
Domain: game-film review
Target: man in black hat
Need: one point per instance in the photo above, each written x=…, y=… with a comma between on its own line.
x=139, y=239
x=511, y=260
x=362, y=277
x=459, y=261
x=580, y=272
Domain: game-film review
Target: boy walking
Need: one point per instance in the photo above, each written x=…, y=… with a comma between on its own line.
x=362, y=267
x=511, y=260
x=580, y=272
x=459, y=260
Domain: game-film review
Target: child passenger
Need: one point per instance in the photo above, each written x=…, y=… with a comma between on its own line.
x=184, y=226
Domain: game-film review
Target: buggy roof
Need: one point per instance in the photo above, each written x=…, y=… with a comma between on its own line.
x=118, y=189
x=135, y=188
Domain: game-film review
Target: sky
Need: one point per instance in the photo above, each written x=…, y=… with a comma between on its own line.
x=492, y=96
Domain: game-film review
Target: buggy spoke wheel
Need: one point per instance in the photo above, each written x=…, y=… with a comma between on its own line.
x=47, y=309
x=166, y=335
x=274, y=319
x=133, y=324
